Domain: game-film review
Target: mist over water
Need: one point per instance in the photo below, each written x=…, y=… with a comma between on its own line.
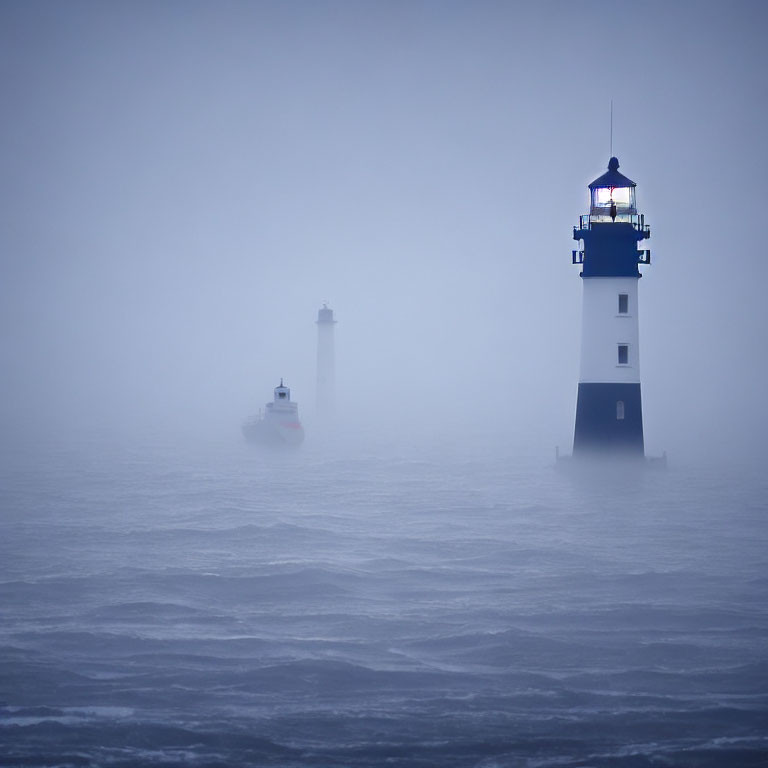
x=183, y=186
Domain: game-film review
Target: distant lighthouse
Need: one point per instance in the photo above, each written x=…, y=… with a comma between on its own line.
x=326, y=364
x=609, y=414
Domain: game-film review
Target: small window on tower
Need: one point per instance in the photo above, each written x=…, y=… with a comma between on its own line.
x=623, y=303
x=623, y=354
x=281, y=395
x=620, y=410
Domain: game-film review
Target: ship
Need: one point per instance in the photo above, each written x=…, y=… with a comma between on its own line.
x=278, y=424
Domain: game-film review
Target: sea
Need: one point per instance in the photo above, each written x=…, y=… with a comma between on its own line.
x=353, y=604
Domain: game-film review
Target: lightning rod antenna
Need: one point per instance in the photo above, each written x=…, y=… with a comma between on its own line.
x=611, y=155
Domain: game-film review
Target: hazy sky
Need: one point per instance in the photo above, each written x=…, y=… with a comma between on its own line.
x=184, y=183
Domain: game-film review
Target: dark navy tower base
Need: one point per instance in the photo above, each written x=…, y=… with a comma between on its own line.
x=609, y=420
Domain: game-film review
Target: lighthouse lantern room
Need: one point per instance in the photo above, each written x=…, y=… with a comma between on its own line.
x=609, y=418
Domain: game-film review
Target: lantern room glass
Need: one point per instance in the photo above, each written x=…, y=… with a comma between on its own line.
x=622, y=197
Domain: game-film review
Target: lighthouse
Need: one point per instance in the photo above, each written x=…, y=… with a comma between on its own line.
x=326, y=365
x=609, y=414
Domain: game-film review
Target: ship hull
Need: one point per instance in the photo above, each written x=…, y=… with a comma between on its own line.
x=274, y=435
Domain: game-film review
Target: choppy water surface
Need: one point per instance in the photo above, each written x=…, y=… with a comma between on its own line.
x=420, y=607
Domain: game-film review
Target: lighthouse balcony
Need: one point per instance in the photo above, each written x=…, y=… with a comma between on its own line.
x=637, y=220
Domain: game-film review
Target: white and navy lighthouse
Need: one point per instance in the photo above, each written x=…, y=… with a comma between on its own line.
x=609, y=414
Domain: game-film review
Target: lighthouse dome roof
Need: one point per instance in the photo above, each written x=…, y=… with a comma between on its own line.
x=612, y=178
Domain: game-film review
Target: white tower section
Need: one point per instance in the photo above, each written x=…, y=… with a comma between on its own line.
x=326, y=363
x=610, y=349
